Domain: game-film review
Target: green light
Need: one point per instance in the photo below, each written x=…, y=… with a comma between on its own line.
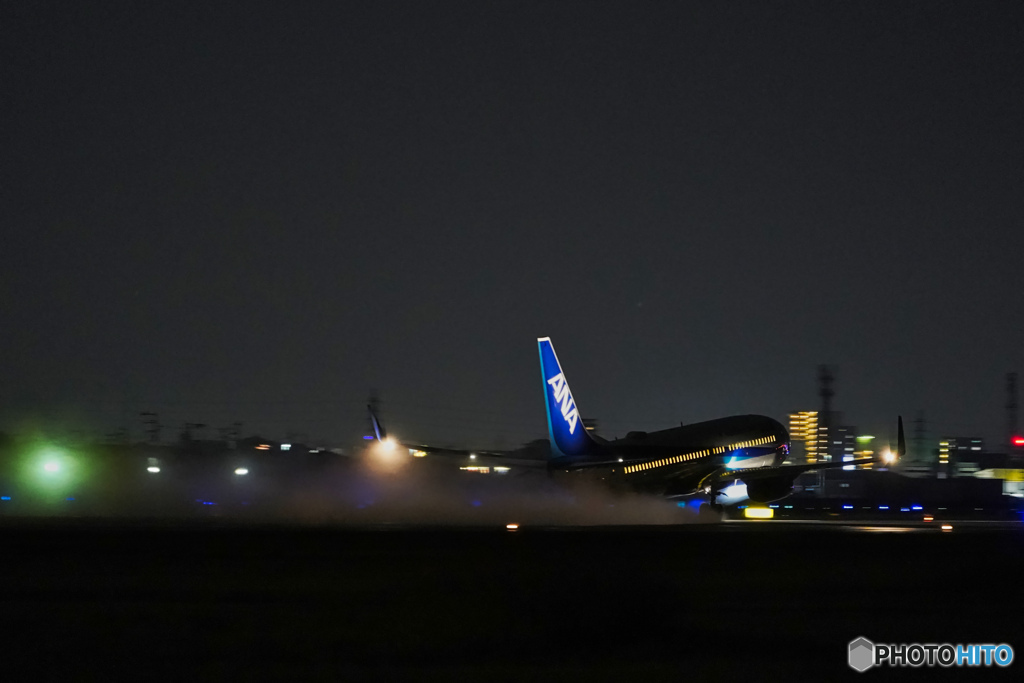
x=49, y=473
x=864, y=439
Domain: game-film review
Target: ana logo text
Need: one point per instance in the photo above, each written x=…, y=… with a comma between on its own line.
x=561, y=391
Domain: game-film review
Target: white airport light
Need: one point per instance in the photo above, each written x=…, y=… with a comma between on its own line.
x=286, y=447
x=947, y=527
x=472, y=456
x=241, y=471
x=153, y=469
x=51, y=467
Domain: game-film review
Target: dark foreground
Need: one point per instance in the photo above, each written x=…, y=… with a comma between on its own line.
x=224, y=602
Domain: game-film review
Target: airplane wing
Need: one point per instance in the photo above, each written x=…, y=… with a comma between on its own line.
x=480, y=458
x=780, y=471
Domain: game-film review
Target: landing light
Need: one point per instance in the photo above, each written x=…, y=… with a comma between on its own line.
x=241, y=471
x=153, y=469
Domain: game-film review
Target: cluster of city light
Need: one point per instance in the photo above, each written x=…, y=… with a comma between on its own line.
x=803, y=426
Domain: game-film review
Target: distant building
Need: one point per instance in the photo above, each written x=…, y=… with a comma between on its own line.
x=956, y=455
x=842, y=443
x=803, y=435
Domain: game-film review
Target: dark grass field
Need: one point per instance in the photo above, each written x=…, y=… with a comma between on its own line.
x=92, y=601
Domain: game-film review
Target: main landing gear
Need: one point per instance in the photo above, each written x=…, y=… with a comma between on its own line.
x=711, y=511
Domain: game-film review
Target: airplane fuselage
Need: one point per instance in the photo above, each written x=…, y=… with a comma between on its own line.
x=674, y=461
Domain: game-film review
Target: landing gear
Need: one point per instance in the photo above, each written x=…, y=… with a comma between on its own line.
x=710, y=512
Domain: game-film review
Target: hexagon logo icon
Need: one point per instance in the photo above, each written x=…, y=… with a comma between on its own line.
x=862, y=654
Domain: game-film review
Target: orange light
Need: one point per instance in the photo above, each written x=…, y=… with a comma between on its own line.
x=512, y=527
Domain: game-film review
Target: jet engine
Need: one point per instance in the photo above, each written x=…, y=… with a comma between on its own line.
x=767, y=490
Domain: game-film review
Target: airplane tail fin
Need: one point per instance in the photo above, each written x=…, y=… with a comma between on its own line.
x=378, y=429
x=568, y=435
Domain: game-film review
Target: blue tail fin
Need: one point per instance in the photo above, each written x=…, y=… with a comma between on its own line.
x=565, y=425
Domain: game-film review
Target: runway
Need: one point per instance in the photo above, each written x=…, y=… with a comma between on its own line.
x=217, y=600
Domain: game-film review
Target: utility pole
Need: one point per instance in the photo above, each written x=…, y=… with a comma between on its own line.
x=919, y=441
x=151, y=424
x=1011, y=408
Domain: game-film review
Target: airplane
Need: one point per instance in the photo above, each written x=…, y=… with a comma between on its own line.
x=728, y=460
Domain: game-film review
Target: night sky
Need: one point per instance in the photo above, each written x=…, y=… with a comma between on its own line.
x=263, y=211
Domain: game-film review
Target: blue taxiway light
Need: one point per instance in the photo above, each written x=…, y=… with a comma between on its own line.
x=904, y=509
x=367, y=438
x=681, y=504
x=883, y=507
x=847, y=507
x=916, y=507
x=5, y=497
